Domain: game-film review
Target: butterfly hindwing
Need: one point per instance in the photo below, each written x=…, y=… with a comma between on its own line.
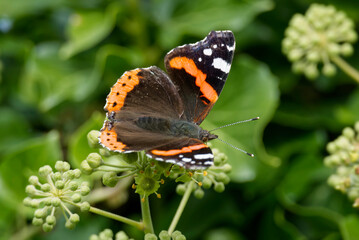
x=186, y=152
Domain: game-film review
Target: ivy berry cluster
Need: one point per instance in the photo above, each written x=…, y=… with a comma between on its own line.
x=56, y=190
x=344, y=157
x=318, y=38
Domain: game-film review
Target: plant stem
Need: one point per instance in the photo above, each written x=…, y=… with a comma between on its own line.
x=181, y=207
x=146, y=215
x=352, y=72
x=113, y=216
x=116, y=217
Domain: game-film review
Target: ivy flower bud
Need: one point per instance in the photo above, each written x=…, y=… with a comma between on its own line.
x=177, y=235
x=40, y=213
x=181, y=189
x=86, y=168
x=219, y=187
x=85, y=190
x=150, y=236
x=62, y=166
x=37, y=221
x=51, y=220
x=45, y=171
x=93, y=139
x=198, y=193
x=60, y=184
x=74, y=218
x=121, y=235
x=47, y=227
x=206, y=183
x=34, y=180
x=106, y=234
x=329, y=70
x=73, y=185
x=164, y=235
x=30, y=189
x=85, y=206
x=27, y=201
x=94, y=160
x=57, y=176
x=76, y=198
x=110, y=179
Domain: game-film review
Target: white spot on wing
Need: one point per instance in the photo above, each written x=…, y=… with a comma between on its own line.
x=200, y=59
x=208, y=163
x=207, y=51
x=215, y=46
x=222, y=65
x=203, y=156
x=186, y=159
x=230, y=48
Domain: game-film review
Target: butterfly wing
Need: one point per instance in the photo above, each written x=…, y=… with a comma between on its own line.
x=138, y=93
x=200, y=71
x=186, y=152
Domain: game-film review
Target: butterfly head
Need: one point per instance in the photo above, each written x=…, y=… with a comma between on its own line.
x=206, y=136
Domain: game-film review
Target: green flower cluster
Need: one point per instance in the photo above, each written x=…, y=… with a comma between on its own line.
x=55, y=190
x=344, y=156
x=149, y=174
x=216, y=176
x=318, y=37
x=164, y=235
x=107, y=234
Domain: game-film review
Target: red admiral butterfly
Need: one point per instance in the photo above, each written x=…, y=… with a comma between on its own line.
x=159, y=113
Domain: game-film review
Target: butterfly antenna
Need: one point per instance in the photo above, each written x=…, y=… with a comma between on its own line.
x=227, y=125
x=249, y=154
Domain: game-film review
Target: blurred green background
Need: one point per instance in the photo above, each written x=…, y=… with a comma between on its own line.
x=59, y=58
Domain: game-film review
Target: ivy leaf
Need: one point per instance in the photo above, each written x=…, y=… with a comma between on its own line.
x=49, y=81
x=197, y=20
x=349, y=227
x=251, y=90
x=183, y=178
x=87, y=28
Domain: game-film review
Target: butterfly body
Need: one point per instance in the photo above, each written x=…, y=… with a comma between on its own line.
x=160, y=114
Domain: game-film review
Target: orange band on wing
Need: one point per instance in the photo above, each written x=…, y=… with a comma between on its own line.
x=179, y=151
x=190, y=67
x=108, y=138
x=119, y=90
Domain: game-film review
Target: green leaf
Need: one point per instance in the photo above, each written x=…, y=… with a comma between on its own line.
x=16, y=8
x=78, y=146
x=18, y=166
x=85, y=29
x=349, y=227
x=183, y=178
x=251, y=90
x=14, y=130
x=305, y=166
x=197, y=18
x=49, y=81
